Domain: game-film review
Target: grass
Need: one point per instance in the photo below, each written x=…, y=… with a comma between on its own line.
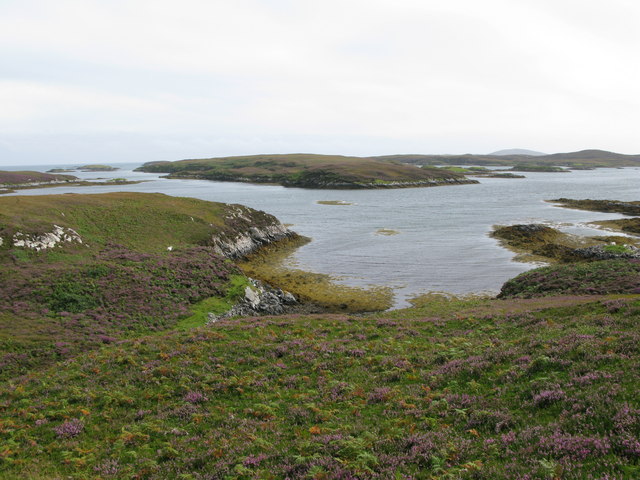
x=144, y=222
x=216, y=305
x=107, y=371
x=583, y=278
x=544, y=392
x=121, y=281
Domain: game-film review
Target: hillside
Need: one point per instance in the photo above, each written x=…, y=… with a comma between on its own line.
x=308, y=171
x=581, y=159
x=108, y=370
x=477, y=389
x=78, y=271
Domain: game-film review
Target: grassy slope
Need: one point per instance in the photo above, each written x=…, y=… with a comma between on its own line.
x=449, y=390
x=145, y=222
x=478, y=389
x=301, y=170
x=121, y=281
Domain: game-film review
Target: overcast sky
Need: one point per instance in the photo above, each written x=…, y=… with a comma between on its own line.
x=129, y=80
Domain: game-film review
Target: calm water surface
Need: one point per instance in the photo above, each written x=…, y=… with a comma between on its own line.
x=442, y=242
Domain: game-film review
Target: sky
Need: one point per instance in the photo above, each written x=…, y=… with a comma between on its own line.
x=142, y=80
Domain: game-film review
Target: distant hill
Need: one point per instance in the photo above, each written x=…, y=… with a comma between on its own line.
x=308, y=171
x=581, y=159
x=518, y=151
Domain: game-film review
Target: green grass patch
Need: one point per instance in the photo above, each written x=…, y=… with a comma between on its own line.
x=215, y=305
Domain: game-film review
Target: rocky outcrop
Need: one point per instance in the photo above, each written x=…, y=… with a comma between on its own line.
x=259, y=299
x=246, y=230
x=600, y=252
x=526, y=236
x=46, y=240
x=543, y=241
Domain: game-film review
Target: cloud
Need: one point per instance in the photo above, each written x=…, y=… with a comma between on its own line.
x=456, y=75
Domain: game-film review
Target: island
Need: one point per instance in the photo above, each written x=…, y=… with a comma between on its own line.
x=481, y=172
x=527, y=167
x=97, y=168
x=308, y=171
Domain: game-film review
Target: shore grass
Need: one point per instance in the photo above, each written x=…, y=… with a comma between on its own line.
x=320, y=289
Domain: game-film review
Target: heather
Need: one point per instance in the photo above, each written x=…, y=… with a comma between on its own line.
x=51, y=311
x=458, y=389
x=584, y=278
x=107, y=369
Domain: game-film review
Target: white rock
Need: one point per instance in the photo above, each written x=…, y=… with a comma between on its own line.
x=251, y=296
x=46, y=240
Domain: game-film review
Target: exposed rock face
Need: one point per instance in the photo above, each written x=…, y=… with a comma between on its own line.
x=259, y=300
x=599, y=252
x=43, y=241
x=247, y=230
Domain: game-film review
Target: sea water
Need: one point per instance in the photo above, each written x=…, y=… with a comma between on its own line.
x=440, y=239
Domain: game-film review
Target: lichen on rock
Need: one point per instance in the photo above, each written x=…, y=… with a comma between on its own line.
x=46, y=240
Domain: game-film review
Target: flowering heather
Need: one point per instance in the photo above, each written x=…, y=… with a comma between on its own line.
x=195, y=397
x=479, y=389
x=69, y=429
x=119, y=294
x=547, y=397
x=589, y=278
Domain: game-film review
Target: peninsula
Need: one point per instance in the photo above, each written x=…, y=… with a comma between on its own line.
x=308, y=171
x=10, y=181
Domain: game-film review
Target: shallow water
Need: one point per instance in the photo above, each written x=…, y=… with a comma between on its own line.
x=442, y=242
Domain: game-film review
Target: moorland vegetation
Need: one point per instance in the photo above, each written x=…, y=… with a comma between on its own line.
x=109, y=371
